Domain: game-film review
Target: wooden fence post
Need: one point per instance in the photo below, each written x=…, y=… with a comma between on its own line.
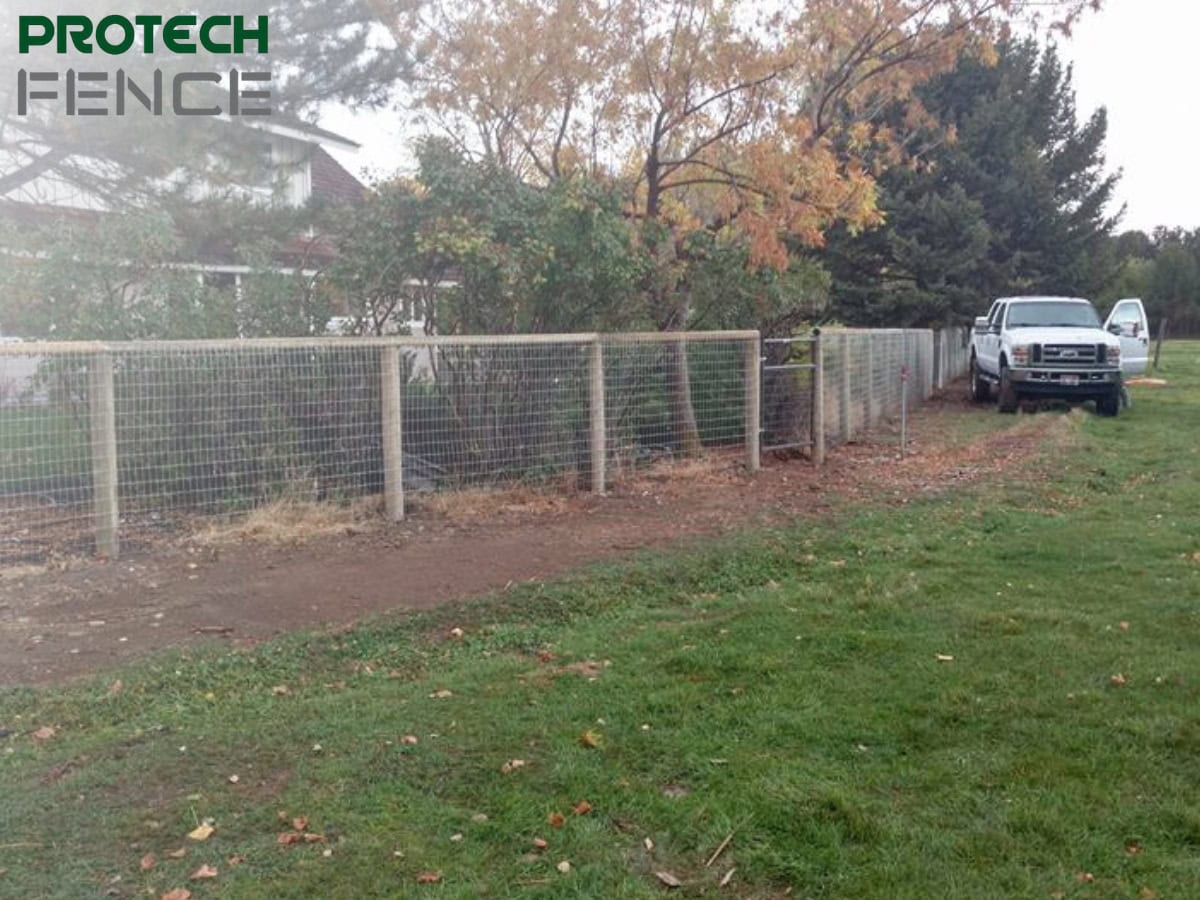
x=103, y=415
x=818, y=418
x=599, y=435
x=869, y=393
x=392, y=425
x=753, y=420
x=939, y=359
x=844, y=410
x=1162, y=336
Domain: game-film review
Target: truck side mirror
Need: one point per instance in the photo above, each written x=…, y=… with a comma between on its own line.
x=981, y=324
x=1114, y=328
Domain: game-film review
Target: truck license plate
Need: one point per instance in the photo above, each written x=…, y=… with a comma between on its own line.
x=1070, y=380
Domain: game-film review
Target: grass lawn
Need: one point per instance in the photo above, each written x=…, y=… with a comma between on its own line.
x=790, y=688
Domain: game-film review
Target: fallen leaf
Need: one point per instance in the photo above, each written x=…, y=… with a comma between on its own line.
x=479, y=818
x=205, y=871
x=943, y=657
x=148, y=862
x=648, y=844
x=456, y=837
x=545, y=656
x=233, y=779
x=728, y=877
x=177, y=894
x=1147, y=894
x=310, y=838
x=512, y=765
x=176, y=854
x=410, y=740
x=116, y=687
x=456, y=633
x=564, y=867
x=540, y=843
x=556, y=820
x=1133, y=848
x=1085, y=877
x=236, y=860
x=281, y=690
x=201, y=832
x=1118, y=680
x=429, y=877
x=591, y=739
x=45, y=733
x=441, y=695
x=582, y=808
x=668, y=879
x=290, y=837
x=300, y=823
x=1124, y=626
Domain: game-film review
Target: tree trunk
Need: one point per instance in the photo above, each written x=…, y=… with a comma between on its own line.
x=675, y=313
x=683, y=414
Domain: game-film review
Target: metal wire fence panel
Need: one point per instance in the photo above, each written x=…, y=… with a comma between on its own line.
x=108, y=442
x=139, y=438
x=45, y=454
x=869, y=372
x=666, y=395
x=479, y=414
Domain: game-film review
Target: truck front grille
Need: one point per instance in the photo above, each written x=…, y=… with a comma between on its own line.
x=1070, y=354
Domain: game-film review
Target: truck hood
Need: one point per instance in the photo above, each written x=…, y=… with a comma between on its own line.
x=1063, y=336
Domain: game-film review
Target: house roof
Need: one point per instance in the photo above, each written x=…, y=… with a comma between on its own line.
x=297, y=129
x=330, y=180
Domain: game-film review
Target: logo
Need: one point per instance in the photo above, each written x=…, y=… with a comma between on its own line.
x=99, y=92
x=1070, y=354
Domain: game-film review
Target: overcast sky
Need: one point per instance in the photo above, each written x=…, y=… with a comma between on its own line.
x=1137, y=57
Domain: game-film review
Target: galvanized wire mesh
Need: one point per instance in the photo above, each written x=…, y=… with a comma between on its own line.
x=867, y=373
x=214, y=428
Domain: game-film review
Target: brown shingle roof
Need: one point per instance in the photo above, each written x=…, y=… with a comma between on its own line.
x=331, y=183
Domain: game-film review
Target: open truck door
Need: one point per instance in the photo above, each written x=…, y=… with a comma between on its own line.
x=1128, y=322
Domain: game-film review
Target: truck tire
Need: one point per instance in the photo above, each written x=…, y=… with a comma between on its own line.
x=1109, y=405
x=1007, y=397
x=981, y=391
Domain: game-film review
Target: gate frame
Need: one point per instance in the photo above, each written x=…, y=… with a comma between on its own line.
x=816, y=442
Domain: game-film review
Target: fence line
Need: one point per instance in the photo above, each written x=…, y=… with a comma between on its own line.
x=108, y=441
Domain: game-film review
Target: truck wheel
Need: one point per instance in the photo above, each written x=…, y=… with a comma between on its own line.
x=1109, y=405
x=1008, y=395
x=981, y=391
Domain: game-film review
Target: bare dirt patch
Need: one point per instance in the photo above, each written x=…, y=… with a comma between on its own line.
x=249, y=585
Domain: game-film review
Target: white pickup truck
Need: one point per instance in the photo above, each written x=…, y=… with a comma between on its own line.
x=1056, y=348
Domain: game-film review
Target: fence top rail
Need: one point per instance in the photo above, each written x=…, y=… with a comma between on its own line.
x=58, y=348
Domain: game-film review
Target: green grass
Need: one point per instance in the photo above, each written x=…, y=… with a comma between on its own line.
x=784, y=682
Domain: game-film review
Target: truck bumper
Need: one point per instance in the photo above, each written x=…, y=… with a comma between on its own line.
x=1065, y=383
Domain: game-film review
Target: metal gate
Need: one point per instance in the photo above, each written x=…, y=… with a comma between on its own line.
x=790, y=385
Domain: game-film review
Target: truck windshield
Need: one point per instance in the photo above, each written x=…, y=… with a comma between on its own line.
x=1052, y=315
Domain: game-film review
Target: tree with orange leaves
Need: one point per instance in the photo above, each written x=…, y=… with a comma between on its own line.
x=749, y=119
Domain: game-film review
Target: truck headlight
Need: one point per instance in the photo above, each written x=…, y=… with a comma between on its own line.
x=1112, y=355
x=1021, y=354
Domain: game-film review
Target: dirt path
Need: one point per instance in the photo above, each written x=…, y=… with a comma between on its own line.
x=59, y=625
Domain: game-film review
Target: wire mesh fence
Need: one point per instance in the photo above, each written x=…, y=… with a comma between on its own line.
x=101, y=442
x=864, y=377
x=107, y=442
